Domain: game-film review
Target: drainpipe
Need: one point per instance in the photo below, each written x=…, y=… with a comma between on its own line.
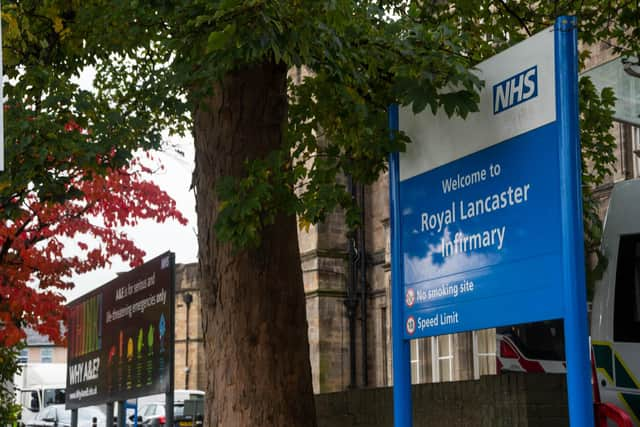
x=188, y=299
x=363, y=287
x=351, y=301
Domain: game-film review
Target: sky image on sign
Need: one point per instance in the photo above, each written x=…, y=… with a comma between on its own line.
x=479, y=201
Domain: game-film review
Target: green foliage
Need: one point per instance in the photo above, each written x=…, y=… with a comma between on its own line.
x=9, y=410
x=46, y=44
x=249, y=202
x=365, y=60
x=598, y=160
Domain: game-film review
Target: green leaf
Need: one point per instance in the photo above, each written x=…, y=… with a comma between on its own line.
x=219, y=40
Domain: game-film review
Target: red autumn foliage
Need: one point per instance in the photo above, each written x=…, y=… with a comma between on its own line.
x=48, y=242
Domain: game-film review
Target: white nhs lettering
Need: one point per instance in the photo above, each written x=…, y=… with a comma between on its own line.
x=515, y=90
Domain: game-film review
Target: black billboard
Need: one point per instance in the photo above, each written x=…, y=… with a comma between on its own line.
x=120, y=337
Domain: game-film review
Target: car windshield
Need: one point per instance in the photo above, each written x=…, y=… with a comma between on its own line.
x=178, y=410
x=54, y=396
x=64, y=415
x=158, y=409
x=147, y=410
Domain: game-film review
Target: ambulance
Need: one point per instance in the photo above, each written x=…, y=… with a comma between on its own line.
x=615, y=318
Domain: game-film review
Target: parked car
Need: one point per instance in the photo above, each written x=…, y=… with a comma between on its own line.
x=58, y=416
x=154, y=415
x=152, y=410
x=192, y=414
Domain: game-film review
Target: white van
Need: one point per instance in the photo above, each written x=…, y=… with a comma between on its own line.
x=37, y=386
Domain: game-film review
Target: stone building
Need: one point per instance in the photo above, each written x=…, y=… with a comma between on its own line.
x=189, y=346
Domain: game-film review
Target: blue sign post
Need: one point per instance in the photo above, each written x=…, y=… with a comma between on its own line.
x=486, y=216
x=402, y=408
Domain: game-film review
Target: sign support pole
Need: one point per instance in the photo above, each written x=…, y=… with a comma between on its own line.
x=122, y=413
x=169, y=397
x=109, y=416
x=402, y=405
x=576, y=333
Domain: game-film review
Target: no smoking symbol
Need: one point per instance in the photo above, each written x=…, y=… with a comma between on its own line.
x=410, y=297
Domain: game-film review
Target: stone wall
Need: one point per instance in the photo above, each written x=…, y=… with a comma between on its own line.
x=324, y=254
x=513, y=400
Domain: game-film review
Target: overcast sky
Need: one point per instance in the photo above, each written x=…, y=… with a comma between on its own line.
x=153, y=238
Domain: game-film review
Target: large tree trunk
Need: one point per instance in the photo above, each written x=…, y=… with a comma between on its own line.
x=254, y=317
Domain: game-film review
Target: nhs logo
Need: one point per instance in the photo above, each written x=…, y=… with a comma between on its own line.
x=515, y=90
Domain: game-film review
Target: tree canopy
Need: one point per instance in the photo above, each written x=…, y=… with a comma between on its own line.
x=156, y=60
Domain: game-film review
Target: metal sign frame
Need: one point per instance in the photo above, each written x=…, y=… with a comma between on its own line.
x=568, y=264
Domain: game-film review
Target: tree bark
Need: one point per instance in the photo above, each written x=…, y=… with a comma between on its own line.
x=254, y=316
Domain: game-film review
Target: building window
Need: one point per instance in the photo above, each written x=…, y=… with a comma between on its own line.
x=46, y=355
x=23, y=357
x=416, y=361
x=453, y=357
x=484, y=353
x=420, y=361
x=629, y=150
x=635, y=150
x=443, y=355
x=627, y=300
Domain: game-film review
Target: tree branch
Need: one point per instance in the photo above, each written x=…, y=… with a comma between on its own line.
x=515, y=15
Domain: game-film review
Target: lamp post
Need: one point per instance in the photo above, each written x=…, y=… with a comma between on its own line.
x=188, y=299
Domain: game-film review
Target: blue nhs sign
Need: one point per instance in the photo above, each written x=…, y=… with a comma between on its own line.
x=485, y=212
x=515, y=90
x=473, y=256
